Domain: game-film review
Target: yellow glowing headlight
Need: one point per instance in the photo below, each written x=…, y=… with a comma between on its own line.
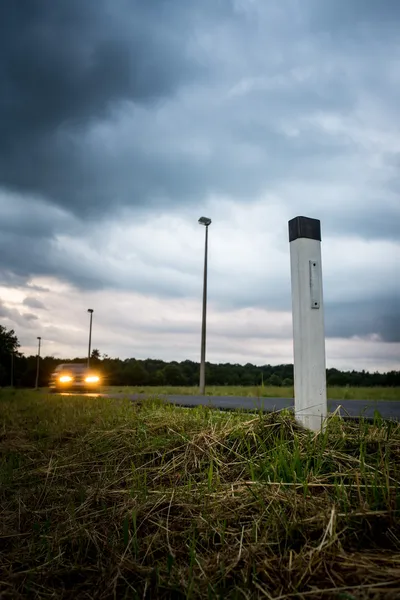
x=92, y=379
x=65, y=378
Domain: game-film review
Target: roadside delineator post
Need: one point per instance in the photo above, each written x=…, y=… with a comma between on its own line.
x=308, y=322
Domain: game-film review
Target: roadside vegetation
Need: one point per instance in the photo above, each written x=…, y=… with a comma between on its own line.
x=334, y=393
x=107, y=498
x=21, y=370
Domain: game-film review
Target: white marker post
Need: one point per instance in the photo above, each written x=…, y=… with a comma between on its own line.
x=308, y=322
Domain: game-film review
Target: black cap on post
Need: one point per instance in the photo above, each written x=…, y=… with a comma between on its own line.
x=304, y=227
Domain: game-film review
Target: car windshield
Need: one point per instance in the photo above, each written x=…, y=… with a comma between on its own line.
x=71, y=367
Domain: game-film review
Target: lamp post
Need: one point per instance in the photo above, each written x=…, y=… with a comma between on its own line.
x=90, y=310
x=206, y=222
x=38, y=363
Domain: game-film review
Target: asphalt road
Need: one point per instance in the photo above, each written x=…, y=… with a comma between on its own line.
x=388, y=409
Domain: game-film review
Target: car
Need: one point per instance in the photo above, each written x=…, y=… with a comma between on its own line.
x=74, y=376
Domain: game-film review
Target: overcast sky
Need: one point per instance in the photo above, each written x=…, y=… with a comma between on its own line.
x=124, y=121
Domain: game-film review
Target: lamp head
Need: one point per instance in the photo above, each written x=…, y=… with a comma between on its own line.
x=90, y=310
x=205, y=221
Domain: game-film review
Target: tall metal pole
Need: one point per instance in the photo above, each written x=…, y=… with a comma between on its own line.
x=90, y=310
x=203, y=323
x=38, y=364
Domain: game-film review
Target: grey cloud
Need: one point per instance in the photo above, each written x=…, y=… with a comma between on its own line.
x=29, y=317
x=46, y=259
x=28, y=231
x=30, y=218
x=33, y=302
x=111, y=103
x=347, y=13
x=371, y=220
x=10, y=278
x=365, y=317
x=15, y=259
x=35, y=288
x=379, y=316
x=216, y=329
x=4, y=312
x=15, y=316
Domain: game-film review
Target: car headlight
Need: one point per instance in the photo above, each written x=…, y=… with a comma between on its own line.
x=92, y=379
x=65, y=378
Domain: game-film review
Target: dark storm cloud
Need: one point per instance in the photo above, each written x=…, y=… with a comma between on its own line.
x=67, y=61
x=373, y=221
x=69, y=65
x=379, y=316
x=9, y=278
x=64, y=64
x=23, y=256
x=28, y=227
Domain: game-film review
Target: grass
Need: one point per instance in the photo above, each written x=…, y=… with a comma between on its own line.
x=110, y=499
x=334, y=393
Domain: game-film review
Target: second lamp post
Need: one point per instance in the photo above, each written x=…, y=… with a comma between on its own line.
x=38, y=364
x=90, y=310
x=206, y=222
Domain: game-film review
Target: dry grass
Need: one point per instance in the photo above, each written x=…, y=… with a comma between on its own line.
x=111, y=499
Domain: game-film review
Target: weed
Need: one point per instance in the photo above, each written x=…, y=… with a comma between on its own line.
x=115, y=499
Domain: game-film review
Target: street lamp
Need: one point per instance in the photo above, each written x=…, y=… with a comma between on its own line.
x=38, y=363
x=90, y=310
x=206, y=222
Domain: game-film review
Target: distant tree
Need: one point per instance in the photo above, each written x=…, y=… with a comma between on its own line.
x=158, y=378
x=247, y=379
x=173, y=375
x=336, y=377
x=190, y=371
x=8, y=341
x=9, y=345
x=392, y=378
x=158, y=372
x=275, y=380
x=135, y=374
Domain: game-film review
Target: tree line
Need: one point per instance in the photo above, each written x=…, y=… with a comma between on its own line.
x=152, y=372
